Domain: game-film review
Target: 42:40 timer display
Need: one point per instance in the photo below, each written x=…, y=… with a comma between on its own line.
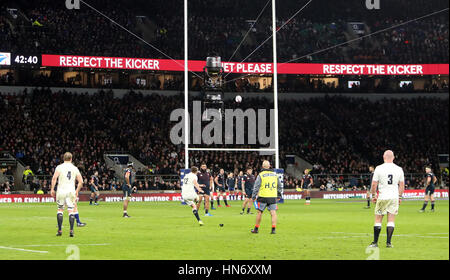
x=26, y=59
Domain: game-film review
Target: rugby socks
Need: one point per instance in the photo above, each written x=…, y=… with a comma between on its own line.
x=218, y=201
x=225, y=201
x=376, y=232
x=389, y=230
x=425, y=205
x=256, y=228
x=368, y=202
x=432, y=205
x=77, y=217
x=308, y=200
x=248, y=210
x=274, y=227
x=71, y=221
x=90, y=201
x=212, y=203
x=96, y=198
x=59, y=218
x=196, y=214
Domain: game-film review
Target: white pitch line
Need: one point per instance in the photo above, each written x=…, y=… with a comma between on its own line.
x=444, y=237
x=410, y=234
x=342, y=237
x=349, y=232
x=396, y=235
x=24, y=250
x=62, y=245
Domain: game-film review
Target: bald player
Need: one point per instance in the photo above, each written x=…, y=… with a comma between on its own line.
x=390, y=181
x=65, y=175
x=266, y=192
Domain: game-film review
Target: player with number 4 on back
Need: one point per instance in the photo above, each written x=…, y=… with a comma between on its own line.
x=390, y=180
x=66, y=174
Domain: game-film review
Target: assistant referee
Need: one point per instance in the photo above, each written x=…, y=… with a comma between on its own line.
x=266, y=192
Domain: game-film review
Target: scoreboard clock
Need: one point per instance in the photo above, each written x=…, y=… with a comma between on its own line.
x=26, y=60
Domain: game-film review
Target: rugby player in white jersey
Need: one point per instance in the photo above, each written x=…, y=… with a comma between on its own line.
x=390, y=181
x=188, y=193
x=65, y=175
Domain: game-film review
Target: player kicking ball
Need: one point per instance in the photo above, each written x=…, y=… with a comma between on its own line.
x=65, y=175
x=390, y=180
x=188, y=193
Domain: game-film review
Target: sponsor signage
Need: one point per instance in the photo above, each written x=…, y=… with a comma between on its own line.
x=122, y=63
x=161, y=197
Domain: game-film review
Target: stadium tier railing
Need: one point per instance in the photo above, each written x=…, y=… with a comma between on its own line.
x=44, y=177
x=10, y=178
x=158, y=178
x=6, y=178
x=117, y=152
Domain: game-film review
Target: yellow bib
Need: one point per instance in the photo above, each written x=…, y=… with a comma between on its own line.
x=269, y=184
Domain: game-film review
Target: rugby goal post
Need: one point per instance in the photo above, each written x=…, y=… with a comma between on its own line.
x=186, y=94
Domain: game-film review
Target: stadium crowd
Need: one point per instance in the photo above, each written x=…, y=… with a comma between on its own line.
x=338, y=135
x=218, y=26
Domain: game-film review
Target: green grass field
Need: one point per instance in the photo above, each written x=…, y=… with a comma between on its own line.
x=325, y=230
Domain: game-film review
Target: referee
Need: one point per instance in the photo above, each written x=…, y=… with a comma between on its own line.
x=266, y=192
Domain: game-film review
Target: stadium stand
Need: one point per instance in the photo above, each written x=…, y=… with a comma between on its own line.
x=339, y=135
x=45, y=26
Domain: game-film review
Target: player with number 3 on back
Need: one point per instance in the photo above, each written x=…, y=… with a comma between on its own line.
x=390, y=181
